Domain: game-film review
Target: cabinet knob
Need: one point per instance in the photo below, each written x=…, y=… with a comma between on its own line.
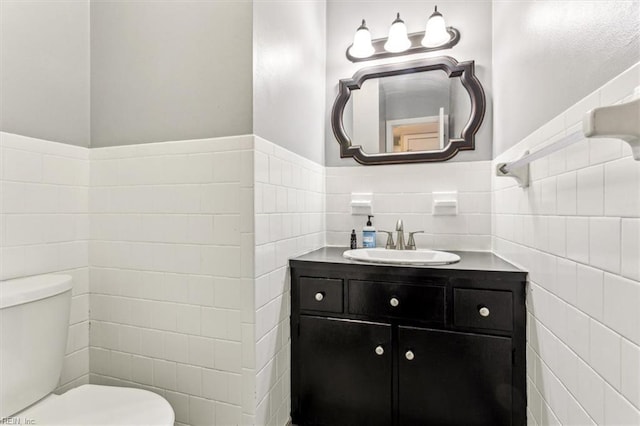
x=379, y=350
x=394, y=302
x=484, y=311
x=319, y=296
x=409, y=355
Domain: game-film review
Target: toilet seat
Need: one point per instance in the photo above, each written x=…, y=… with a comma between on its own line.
x=101, y=405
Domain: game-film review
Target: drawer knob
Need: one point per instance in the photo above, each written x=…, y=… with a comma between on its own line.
x=484, y=311
x=319, y=296
x=409, y=355
x=394, y=302
x=379, y=350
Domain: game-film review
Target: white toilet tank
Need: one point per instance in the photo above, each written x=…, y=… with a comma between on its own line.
x=34, y=321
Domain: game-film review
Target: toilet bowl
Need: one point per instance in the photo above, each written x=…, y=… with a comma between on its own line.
x=34, y=317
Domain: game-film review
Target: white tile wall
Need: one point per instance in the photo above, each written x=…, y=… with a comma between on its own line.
x=171, y=258
x=185, y=300
x=44, y=228
x=576, y=230
x=289, y=220
x=405, y=192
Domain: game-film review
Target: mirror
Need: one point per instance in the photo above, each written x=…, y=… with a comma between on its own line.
x=418, y=111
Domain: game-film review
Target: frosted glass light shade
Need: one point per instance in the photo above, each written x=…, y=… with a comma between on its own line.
x=436, y=32
x=398, y=41
x=361, y=47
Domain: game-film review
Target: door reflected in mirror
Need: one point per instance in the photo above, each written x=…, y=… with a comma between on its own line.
x=416, y=111
x=416, y=134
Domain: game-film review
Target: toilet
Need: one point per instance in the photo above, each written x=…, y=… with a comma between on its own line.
x=34, y=320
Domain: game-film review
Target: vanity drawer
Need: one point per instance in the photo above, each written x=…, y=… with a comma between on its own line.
x=487, y=309
x=416, y=302
x=321, y=294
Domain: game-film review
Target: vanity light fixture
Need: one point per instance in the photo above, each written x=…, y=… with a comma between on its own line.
x=361, y=47
x=437, y=36
x=436, y=32
x=398, y=41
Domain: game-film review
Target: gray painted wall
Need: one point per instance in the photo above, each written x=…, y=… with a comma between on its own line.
x=547, y=55
x=289, y=75
x=170, y=70
x=472, y=18
x=44, y=70
x=161, y=72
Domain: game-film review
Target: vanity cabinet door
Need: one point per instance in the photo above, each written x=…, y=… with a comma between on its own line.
x=451, y=378
x=344, y=372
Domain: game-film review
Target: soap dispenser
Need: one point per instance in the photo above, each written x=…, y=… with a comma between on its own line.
x=369, y=234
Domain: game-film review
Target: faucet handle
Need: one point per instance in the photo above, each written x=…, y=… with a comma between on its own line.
x=411, y=244
x=390, y=244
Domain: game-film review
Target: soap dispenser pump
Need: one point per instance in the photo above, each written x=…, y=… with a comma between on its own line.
x=369, y=234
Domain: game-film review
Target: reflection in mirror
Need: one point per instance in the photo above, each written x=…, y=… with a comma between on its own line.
x=407, y=112
x=424, y=110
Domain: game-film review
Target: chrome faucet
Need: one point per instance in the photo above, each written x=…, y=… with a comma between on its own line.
x=400, y=244
x=400, y=238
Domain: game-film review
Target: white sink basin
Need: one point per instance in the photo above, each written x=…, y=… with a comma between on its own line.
x=402, y=257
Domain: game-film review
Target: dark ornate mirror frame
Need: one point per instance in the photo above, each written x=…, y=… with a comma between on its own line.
x=453, y=68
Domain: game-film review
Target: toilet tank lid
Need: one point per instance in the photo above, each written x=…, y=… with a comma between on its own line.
x=29, y=289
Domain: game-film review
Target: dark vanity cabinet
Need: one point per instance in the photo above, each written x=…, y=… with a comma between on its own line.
x=386, y=345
